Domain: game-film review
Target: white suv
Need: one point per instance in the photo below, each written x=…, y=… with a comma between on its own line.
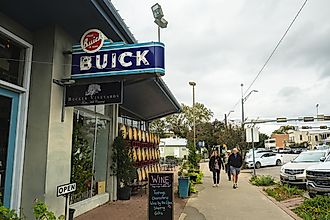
x=294, y=172
x=318, y=178
x=264, y=159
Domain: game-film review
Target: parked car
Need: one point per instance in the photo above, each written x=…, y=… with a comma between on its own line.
x=294, y=172
x=264, y=159
x=318, y=178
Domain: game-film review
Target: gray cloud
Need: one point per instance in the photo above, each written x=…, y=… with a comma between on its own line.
x=221, y=44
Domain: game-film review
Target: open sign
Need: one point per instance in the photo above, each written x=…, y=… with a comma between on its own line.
x=66, y=189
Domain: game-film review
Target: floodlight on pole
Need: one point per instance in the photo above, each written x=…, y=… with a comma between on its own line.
x=158, y=14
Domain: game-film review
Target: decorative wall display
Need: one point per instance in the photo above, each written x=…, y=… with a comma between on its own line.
x=144, y=153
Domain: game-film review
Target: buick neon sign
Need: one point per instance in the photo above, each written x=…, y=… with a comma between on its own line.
x=116, y=58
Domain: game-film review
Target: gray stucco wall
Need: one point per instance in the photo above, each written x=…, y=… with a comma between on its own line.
x=58, y=169
x=48, y=143
x=34, y=172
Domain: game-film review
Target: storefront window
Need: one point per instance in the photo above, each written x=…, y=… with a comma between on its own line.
x=5, y=112
x=12, y=57
x=89, y=154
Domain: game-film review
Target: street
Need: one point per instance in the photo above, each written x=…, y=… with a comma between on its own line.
x=224, y=202
x=274, y=171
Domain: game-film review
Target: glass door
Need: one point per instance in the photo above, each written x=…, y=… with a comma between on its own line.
x=8, y=122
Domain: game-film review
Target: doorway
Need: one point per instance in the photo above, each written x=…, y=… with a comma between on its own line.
x=8, y=124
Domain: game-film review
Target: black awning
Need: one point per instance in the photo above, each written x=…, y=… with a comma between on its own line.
x=74, y=16
x=148, y=99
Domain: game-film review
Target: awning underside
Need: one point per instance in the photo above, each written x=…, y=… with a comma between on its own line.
x=148, y=99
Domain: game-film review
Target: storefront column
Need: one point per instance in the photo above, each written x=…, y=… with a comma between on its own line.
x=111, y=186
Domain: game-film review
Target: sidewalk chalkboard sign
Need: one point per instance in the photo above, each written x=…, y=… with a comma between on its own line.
x=160, y=201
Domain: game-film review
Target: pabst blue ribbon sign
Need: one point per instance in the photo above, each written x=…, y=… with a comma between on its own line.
x=96, y=57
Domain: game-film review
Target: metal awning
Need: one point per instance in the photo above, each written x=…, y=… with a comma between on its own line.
x=148, y=99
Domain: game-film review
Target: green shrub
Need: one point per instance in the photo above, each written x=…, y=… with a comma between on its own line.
x=8, y=214
x=317, y=208
x=284, y=192
x=41, y=212
x=192, y=188
x=200, y=177
x=262, y=180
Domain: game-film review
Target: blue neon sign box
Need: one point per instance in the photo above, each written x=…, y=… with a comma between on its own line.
x=118, y=59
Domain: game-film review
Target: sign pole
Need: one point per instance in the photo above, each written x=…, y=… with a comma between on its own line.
x=66, y=206
x=254, y=159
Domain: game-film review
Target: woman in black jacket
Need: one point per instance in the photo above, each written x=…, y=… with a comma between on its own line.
x=215, y=165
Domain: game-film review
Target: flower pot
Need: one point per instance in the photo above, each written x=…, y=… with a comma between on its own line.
x=183, y=186
x=124, y=193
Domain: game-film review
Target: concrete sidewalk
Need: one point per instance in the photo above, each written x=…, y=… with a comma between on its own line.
x=226, y=203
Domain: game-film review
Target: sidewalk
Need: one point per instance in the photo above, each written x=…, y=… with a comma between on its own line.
x=226, y=203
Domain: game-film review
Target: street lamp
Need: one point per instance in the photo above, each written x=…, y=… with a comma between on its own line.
x=243, y=101
x=159, y=20
x=193, y=84
x=227, y=116
x=317, y=109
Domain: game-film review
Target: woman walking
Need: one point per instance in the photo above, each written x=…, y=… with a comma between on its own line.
x=215, y=164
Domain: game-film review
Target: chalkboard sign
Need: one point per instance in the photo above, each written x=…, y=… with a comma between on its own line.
x=161, y=196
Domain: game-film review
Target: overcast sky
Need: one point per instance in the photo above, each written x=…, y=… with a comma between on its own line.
x=220, y=44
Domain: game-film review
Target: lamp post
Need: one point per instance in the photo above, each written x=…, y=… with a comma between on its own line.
x=159, y=20
x=193, y=84
x=317, y=109
x=244, y=100
x=227, y=116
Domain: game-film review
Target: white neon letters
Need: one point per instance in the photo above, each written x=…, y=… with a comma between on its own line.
x=125, y=59
x=122, y=59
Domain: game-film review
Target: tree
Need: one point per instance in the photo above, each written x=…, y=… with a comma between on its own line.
x=158, y=126
x=232, y=136
x=283, y=129
x=262, y=138
x=181, y=123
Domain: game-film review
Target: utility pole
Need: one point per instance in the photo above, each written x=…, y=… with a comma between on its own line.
x=226, y=120
x=193, y=84
x=242, y=106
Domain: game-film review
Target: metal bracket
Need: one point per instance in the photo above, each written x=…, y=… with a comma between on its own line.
x=64, y=83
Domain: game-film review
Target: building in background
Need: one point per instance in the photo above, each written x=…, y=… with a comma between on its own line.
x=174, y=147
x=280, y=140
x=270, y=143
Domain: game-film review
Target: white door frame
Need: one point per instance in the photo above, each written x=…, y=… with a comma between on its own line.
x=23, y=92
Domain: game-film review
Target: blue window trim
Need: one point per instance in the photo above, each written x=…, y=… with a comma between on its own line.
x=11, y=144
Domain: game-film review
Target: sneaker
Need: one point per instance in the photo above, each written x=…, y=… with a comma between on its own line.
x=217, y=185
x=234, y=186
x=214, y=185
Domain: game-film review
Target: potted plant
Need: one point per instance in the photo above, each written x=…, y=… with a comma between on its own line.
x=183, y=181
x=122, y=166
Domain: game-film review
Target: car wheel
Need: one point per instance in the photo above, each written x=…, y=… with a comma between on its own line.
x=258, y=165
x=278, y=163
x=312, y=195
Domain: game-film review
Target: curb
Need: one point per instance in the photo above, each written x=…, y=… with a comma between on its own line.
x=280, y=205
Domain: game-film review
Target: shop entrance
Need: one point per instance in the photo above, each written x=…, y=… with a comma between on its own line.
x=8, y=117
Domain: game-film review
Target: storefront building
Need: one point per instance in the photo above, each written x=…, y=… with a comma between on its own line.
x=39, y=137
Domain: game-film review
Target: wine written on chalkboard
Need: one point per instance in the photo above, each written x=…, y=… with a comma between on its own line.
x=160, y=196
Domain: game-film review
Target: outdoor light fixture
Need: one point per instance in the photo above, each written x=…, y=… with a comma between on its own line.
x=161, y=23
x=157, y=11
x=158, y=15
x=192, y=83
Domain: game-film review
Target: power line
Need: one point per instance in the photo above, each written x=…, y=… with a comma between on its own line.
x=277, y=45
x=273, y=52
